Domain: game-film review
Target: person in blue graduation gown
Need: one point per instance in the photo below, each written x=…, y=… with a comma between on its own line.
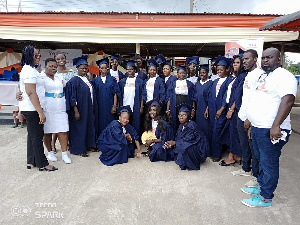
x=116, y=141
x=107, y=92
x=131, y=94
x=192, y=63
x=153, y=87
x=217, y=108
x=167, y=76
x=180, y=91
x=114, y=68
x=79, y=105
x=163, y=132
x=141, y=72
x=191, y=145
x=201, y=97
x=160, y=59
x=234, y=96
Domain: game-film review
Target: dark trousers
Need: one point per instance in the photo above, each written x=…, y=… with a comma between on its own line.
x=35, y=133
x=247, y=149
x=268, y=155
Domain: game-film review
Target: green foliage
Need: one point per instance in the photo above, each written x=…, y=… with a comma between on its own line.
x=294, y=68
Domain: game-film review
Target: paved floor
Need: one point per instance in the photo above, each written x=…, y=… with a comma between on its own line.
x=139, y=192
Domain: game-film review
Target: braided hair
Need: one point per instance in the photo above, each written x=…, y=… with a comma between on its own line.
x=27, y=56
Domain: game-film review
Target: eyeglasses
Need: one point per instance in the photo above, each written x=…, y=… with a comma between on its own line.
x=37, y=56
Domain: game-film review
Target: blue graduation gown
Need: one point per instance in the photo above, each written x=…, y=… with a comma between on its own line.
x=229, y=133
x=104, y=94
x=115, y=148
x=82, y=132
x=172, y=97
x=169, y=81
x=158, y=153
x=214, y=104
x=136, y=117
x=191, y=146
x=159, y=90
x=201, y=98
x=142, y=75
x=121, y=75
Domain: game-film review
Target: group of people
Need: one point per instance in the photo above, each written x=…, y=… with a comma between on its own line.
x=185, y=117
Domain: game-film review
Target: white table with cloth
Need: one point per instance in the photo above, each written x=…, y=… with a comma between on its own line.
x=8, y=90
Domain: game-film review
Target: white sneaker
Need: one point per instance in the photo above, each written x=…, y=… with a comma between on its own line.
x=241, y=172
x=51, y=156
x=65, y=157
x=252, y=183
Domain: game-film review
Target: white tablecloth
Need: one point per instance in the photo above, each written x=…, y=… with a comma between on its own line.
x=8, y=90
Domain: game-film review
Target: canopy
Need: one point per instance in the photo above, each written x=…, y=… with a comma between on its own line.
x=290, y=22
x=137, y=27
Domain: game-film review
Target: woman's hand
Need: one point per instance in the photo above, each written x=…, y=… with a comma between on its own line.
x=229, y=115
x=148, y=143
x=114, y=109
x=139, y=154
x=193, y=113
x=42, y=117
x=170, y=144
x=206, y=115
x=128, y=137
x=19, y=96
x=168, y=112
x=77, y=116
x=219, y=113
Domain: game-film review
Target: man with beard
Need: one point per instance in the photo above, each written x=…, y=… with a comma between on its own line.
x=268, y=110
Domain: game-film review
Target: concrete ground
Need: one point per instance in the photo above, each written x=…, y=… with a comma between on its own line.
x=138, y=192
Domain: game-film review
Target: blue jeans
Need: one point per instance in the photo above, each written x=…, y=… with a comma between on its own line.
x=247, y=149
x=268, y=155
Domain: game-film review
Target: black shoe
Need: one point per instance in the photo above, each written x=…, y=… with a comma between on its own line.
x=49, y=170
x=216, y=159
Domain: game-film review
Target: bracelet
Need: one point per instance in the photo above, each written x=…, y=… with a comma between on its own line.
x=231, y=110
x=193, y=110
x=168, y=111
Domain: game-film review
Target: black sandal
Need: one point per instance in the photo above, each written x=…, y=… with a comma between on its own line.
x=84, y=155
x=49, y=170
x=93, y=149
x=223, y=163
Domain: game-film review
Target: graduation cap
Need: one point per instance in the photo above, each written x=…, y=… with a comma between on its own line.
x=152, y=62
x=82, y=60
x=102, y=61
x=167, y=62
x=193, y=59
x=181, y=67
x=229, y=61
x=116, y=56
x=160, y=58
x=125, y=108
x=184, y=107
x=204, y=67
x=213, y=60
x=222, y=62
x=153, y=102
x=130, y=63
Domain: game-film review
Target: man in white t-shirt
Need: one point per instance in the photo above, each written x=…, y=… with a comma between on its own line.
x=268, y=110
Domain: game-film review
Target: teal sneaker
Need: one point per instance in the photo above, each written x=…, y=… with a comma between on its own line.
x=256, y=201
x=251, y=191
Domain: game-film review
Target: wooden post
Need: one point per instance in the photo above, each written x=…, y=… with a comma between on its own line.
x=138, y=48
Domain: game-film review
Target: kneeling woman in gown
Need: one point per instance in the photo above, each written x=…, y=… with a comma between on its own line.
x=191, y=146
x=116, y=141
x=161, y=132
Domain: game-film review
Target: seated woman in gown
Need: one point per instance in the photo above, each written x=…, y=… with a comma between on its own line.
x=116, y=141
x=161, y=132
x=191, y=145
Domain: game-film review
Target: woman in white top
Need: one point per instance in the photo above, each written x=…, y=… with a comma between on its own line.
x=66, y=73
x=32, y=86
x=55, y=111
